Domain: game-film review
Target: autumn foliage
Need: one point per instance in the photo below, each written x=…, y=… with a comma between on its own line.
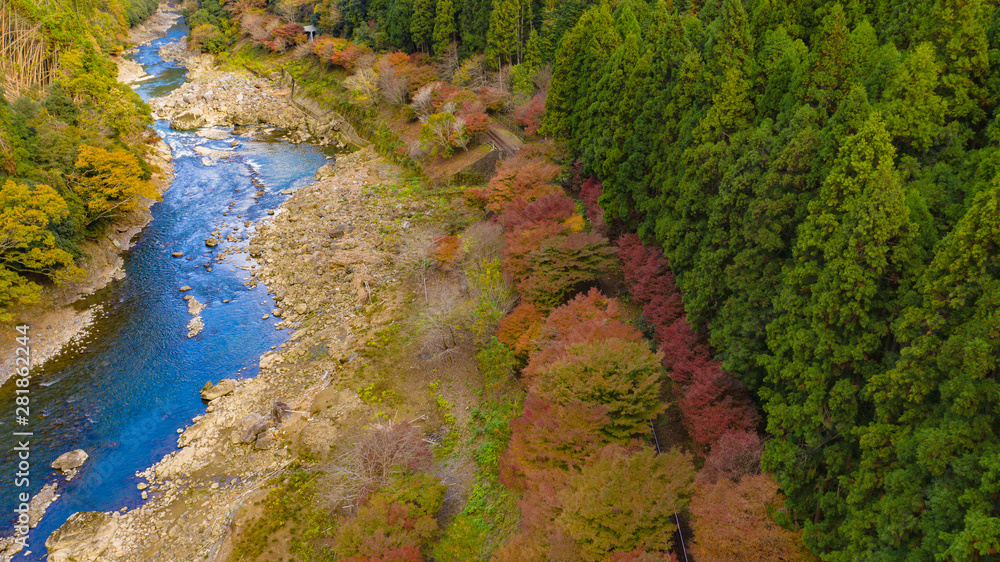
x=587, y=317
x=528, y=225
x=626, y=500
x=111, y=183
x=476, y=123
x=711, y=401
x=398, y=520
x=529, y=115
x=640, y=555
x=622, y=376
x=520, y=328
x=551, y=436
x=446, y=250
x=564, y=265
x=590, y=192
x=734, y=455
x=731, y=521
x=526, y=176
x=285, y=36
x=27, y=245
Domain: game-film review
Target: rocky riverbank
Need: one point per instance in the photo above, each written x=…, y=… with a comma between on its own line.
x=154, y=27
x=322, y=254
x=215, y=98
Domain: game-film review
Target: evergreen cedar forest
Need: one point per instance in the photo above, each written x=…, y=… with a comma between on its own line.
x=800, y=199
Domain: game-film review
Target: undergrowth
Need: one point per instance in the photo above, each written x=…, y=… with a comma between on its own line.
x=289, y=506
x=491, y=513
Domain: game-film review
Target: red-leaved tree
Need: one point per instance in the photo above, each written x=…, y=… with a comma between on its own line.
x=588, y=317
x=527, y=175
x=711, y=401
x=552, y=436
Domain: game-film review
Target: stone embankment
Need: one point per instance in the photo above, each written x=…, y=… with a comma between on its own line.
x=322, y=254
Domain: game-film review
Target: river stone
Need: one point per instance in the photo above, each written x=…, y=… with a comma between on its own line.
x=41, y=502
x=211, y=242
x=185, y=288
x=68, y=461
x=281, y=411
x=178, y=254
x=340, y=229
x=195, y=326
x=266, y=440
x=326, y=170
x=84, y=536
x=187, y=121
x=213, y=134
x=210, y=392
x=251, y=426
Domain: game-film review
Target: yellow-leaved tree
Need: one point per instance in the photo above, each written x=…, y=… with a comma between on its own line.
x=110, y=183
x=27, y=246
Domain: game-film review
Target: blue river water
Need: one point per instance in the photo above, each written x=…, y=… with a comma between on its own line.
x=121, y=392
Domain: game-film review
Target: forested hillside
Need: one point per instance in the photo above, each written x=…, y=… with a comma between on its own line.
x=822, y=180
x=71, y=137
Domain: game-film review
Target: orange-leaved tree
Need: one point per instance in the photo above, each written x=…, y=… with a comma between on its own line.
x=111, y=183
x=27, y=245
x=731, y=521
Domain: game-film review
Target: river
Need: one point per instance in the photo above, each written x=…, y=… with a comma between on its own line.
x=122, y=391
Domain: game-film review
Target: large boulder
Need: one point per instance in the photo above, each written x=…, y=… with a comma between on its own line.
x=214, y=134
x=251, y=426
x=187, y=121
x=326, y=170
x=71, y=460
x=83, y=537
x=267, y=440
x=210, y=392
